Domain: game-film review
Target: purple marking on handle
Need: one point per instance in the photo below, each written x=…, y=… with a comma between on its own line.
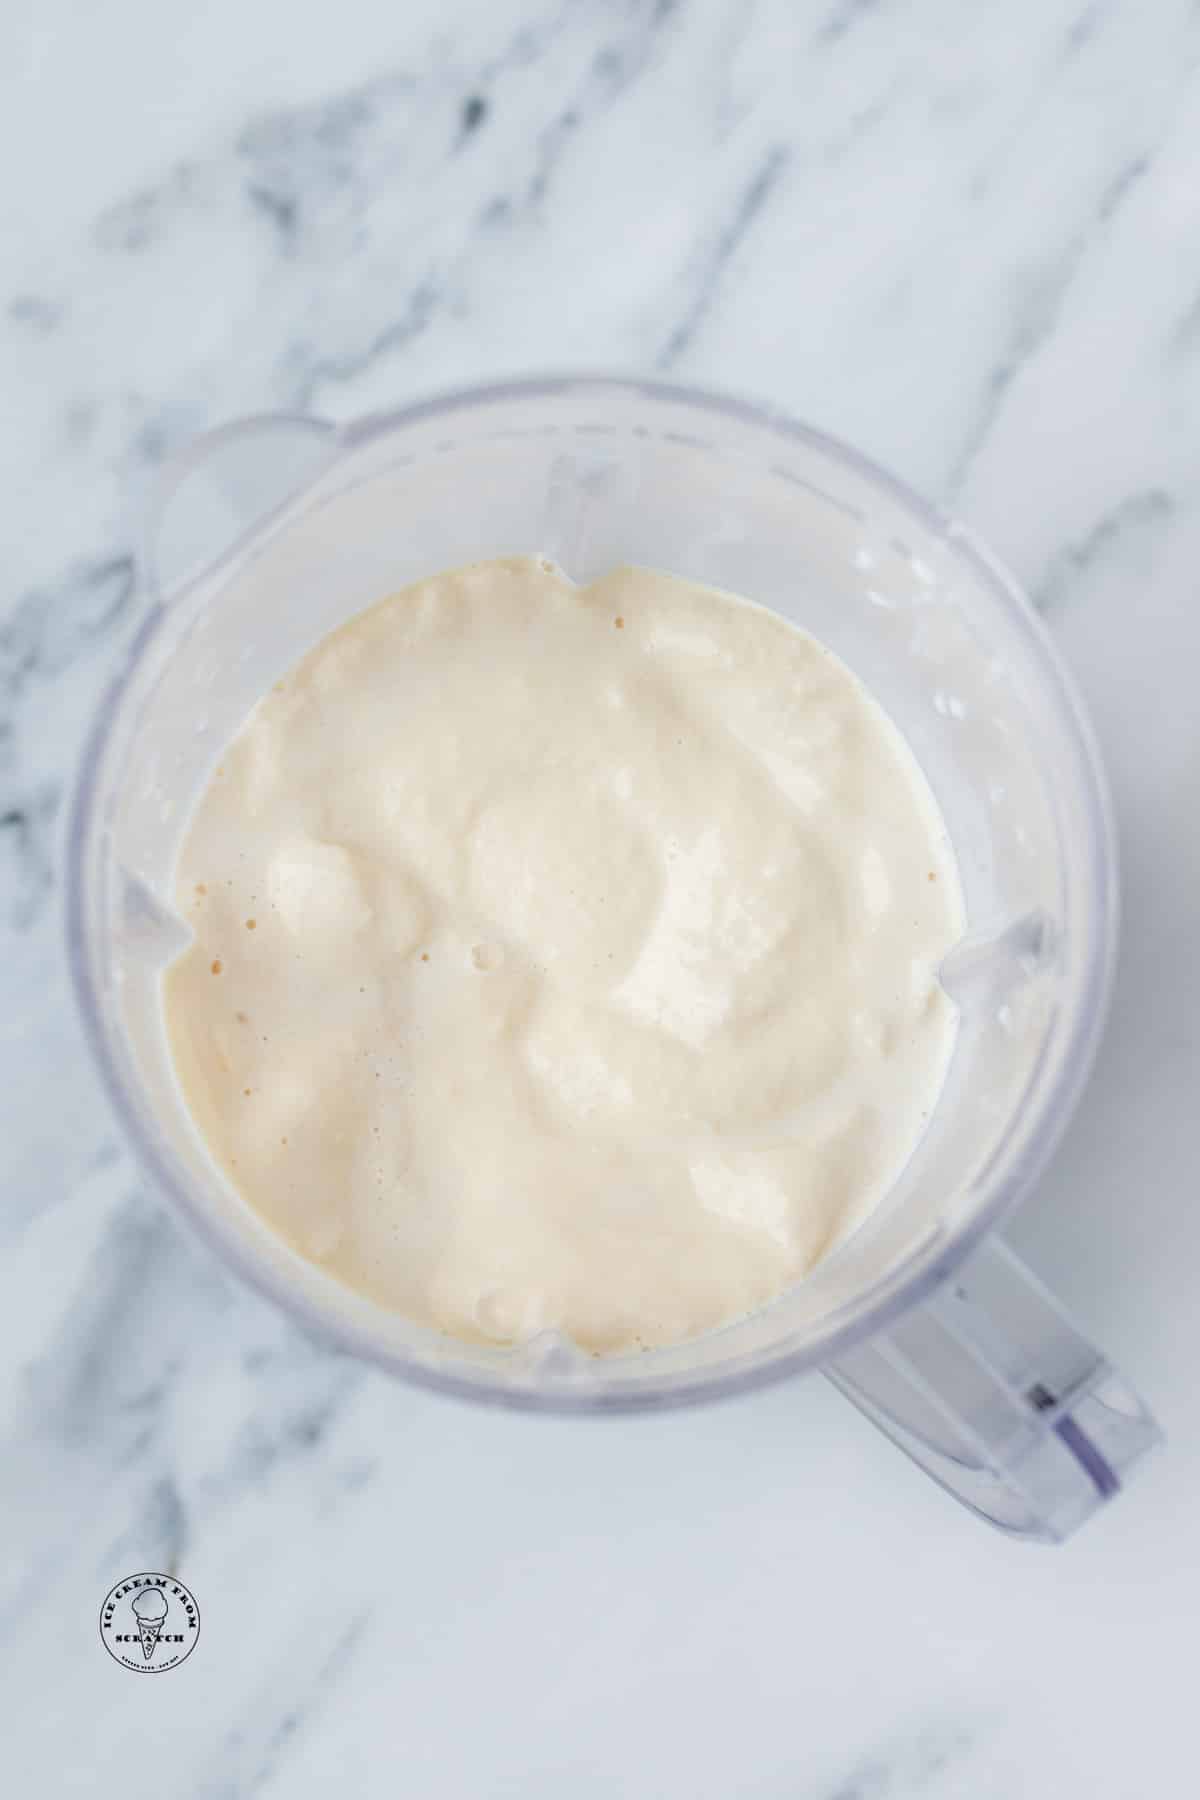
x=1103, y=1476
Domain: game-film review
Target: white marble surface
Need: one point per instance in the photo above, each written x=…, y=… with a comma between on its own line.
x=965, y=238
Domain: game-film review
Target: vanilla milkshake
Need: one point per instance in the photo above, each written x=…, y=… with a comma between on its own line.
x=565, y=957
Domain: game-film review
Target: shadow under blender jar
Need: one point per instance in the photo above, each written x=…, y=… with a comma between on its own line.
x=923, y=1317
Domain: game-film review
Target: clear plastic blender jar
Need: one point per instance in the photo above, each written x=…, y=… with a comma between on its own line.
x=273, y=531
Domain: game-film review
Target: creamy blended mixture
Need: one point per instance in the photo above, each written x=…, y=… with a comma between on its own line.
x=565, y=957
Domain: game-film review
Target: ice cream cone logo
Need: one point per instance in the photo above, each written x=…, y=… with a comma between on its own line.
x=149, y=1623
x=150, y=1609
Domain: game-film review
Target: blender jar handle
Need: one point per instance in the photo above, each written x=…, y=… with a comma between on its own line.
x=991, y=1390
x=211, y=499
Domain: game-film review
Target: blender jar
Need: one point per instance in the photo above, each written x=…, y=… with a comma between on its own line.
x=270, y=533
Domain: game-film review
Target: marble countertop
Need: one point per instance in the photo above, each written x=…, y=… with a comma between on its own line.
x=964, y=238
